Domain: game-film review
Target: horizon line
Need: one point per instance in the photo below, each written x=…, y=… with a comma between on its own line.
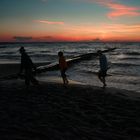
x=113, y=41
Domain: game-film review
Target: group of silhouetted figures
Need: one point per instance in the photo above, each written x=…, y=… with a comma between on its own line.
x=29, y=68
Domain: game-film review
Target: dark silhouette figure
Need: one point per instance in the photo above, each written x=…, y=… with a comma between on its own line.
x=63, y=67
x=28, y=66
x=103, y=68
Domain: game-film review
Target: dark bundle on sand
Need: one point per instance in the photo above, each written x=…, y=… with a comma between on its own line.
x=52, y=112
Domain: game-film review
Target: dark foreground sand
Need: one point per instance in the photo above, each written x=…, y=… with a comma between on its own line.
x=79, y=112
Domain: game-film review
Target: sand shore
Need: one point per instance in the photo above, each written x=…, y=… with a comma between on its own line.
x=79, y=112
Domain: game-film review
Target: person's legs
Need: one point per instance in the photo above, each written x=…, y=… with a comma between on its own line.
x=34, y=81
x=66, y=80
x=29, y=77
x=32, y=78
x=64, y=77
x=104, y=82
x=101, y=76
x=27, y=82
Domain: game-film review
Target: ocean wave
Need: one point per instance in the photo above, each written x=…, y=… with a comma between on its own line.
x=125, y=53
x=3, y=46
x=132, y=53
x=45, y=51
x=124, y=57
x=131, y=58
x=4, y=53
x=14, y=56
x=124, y=64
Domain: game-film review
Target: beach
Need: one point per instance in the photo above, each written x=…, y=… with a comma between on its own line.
x=79, y=112
x=69, y=69
x=123, y=61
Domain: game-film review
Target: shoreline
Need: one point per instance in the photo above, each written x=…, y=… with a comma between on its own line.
x=57, y=80
x=8, y=70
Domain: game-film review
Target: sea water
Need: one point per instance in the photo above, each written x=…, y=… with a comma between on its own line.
x=124, y=62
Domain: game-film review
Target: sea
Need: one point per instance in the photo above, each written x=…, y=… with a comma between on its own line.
x=124, y=61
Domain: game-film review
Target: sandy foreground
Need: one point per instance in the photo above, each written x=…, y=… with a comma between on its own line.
x=79, y=112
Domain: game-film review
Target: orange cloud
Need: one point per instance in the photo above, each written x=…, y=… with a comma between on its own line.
x=122, y=10
x=50, y=22
x=118, y=9
x=132, y=28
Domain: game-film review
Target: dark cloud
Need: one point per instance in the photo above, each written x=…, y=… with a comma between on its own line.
x=22, y=38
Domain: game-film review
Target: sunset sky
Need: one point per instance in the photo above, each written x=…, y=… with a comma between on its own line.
x=69, y=20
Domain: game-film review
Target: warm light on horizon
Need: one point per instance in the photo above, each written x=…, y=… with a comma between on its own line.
x=104, y=32
x=71, y=39
x=45, y=20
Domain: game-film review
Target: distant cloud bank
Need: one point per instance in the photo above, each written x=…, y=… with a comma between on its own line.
x=21, y=38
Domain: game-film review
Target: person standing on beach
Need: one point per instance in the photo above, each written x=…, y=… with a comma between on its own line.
x=103, y=68
x=28, y=66
x=63, y=67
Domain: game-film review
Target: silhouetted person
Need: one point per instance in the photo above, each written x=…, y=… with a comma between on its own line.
x=103, y=68
x=63, y=67
x=28, y=66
